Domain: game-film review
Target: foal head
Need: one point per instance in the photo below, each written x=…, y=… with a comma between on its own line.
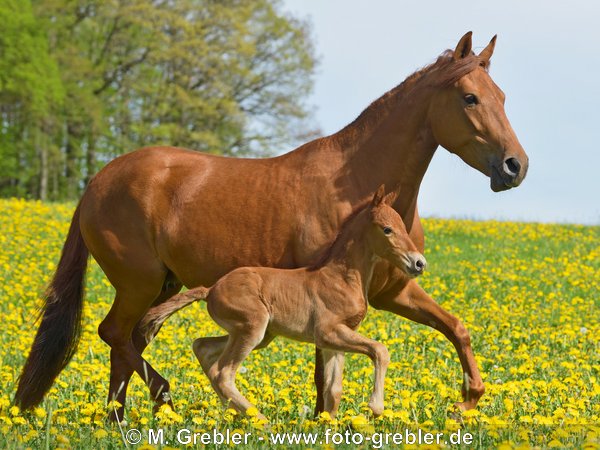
x=387, y=236
x=467, y=116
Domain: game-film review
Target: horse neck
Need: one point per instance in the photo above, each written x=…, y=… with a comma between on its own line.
x=391, y=143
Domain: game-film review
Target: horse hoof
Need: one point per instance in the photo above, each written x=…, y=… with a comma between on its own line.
x=115, y=416
x=455, y=412
x=112, y=419
x=157, y=406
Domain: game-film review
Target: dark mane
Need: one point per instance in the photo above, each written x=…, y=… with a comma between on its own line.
x=340, y=238
x=443, y=72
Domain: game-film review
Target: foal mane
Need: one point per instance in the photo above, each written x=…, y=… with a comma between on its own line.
x=340, y=238
x=444, y=71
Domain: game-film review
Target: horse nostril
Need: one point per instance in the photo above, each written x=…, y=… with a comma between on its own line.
x=512, y=167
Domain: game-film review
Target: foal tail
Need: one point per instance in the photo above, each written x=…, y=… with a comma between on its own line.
x=157, y=315
x=58, y=335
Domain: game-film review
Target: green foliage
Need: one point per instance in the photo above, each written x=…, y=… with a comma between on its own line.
x=82, y=82
x=31, y=93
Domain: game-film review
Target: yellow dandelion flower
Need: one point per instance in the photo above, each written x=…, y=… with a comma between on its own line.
x=100, y=433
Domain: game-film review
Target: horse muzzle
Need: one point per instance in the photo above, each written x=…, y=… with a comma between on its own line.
x=507, y=175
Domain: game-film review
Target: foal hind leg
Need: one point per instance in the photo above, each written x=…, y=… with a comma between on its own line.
x=208, y=350
x=238, y=347
x=121, y=371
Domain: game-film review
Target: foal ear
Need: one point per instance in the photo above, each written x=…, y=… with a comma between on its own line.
x=464, y=47
x=391, y=197
x=378, y=197
x=486, y=53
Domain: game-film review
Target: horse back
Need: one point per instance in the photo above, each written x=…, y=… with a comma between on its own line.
x=202, y=215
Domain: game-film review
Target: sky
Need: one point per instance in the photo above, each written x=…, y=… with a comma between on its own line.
x=547, y=61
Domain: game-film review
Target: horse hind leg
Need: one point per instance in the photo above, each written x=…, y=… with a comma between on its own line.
x=117, y=330
x=120, y=370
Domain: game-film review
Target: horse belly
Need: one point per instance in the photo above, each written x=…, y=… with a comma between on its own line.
x=240, y=220
x=219, y=236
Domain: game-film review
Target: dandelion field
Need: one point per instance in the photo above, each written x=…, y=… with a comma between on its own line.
x=529, y=294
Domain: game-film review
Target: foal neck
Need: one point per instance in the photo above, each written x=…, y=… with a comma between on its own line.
x=351, y=256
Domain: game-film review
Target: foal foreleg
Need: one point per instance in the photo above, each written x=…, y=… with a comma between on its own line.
x=343, y=338
x=412, y=302
x=333, y=369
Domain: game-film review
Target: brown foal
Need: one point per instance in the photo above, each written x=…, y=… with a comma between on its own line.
x=323, y=304
x=161, y=218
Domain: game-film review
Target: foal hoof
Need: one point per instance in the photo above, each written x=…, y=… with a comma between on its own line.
x=376, y=408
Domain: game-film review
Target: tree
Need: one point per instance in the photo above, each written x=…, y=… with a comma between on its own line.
x=30, y=94
x=224, y=77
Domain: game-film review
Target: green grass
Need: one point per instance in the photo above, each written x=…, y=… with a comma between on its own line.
x=528, y=293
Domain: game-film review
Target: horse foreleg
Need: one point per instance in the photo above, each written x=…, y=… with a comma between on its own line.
x=412, y=302
x=319, y=379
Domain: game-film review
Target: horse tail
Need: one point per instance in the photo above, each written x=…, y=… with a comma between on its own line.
x=157, y=315
x=58, y=335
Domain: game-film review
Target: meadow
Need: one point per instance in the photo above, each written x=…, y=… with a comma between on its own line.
x=528, y=293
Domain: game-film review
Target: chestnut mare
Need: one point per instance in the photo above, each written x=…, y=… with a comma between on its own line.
x=160, y=218
x=323, y=304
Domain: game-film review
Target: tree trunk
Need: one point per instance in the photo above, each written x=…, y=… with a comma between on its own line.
x=72, y=176
x=90, y=158
x=42, y=150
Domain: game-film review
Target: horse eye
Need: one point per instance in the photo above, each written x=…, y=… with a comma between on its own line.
x=471, y=99
x=387, y=231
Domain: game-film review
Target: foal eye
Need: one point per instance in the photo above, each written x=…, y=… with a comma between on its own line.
x=471, y=99
x=387, y=231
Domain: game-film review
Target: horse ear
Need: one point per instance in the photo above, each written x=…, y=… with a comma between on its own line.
x=464, y=47
x=378, y=197
x=486, y=53
x=391, y=197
